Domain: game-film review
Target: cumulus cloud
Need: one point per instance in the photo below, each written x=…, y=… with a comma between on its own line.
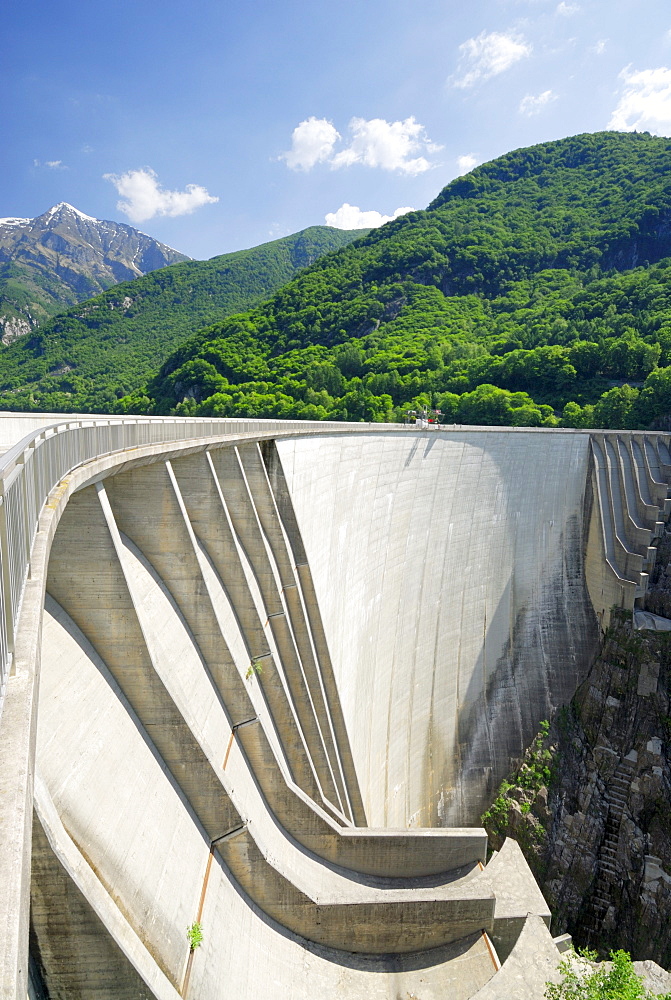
x=389, y=145
x=143, y=197
x=645, y=101
x=352, y=217
x=532, y=104
x=312, y=142
x=488, y=55
x=466, y=163
x=373, y=143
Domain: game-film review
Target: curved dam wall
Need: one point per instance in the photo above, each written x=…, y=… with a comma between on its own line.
x=266, y=678
x=449, y=573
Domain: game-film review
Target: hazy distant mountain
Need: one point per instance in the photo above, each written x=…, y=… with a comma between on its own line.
x=63, y=257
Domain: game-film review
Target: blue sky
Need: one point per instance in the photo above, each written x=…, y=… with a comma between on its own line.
x=222, y=125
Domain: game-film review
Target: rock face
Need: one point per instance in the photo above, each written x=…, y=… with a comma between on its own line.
x=598, y=832
x=63, y=257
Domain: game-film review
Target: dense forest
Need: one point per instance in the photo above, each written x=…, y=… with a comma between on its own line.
x=536, y=290
x=89, y=356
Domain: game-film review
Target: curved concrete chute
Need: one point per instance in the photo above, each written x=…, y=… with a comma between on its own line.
x=87, y=578
x=114, y=960
x=230, y=473
x=628, y=562
x=653, y=469
x=416, y=601
x=638, y=494
x=105, y=783
x=284, y=882
x=305, y=593
x=297, y=618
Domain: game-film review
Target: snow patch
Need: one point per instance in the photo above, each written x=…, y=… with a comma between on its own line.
x=14, y=222
x=64, y=205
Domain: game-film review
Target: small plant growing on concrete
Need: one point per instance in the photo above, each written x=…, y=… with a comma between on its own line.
x=195, y=935
x=585, y=979
x=255, y=667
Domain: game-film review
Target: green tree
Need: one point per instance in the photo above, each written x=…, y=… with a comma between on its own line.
x=655, y=398
x=582, y=981
x=616, y=408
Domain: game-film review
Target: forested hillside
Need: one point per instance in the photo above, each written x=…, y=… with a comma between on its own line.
x=95, y=352
x=534, y=291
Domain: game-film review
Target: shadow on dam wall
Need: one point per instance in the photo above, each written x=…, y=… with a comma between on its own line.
x=277, y=673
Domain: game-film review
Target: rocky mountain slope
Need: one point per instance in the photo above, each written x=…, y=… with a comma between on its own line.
x=63, y=257
x=89, y=355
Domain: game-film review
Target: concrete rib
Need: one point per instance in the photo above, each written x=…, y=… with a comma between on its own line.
x=269, y=521
x=637, y=487
x=88, y=582
x=286, y=514
x=244, y=517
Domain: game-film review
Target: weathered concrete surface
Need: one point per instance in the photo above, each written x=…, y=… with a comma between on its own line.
x=530, y=966
x=254, y=650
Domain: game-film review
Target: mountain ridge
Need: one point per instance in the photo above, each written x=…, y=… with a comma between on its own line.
x=512, y=299
x=64, y=256
x=97, y=350
x=534, y=291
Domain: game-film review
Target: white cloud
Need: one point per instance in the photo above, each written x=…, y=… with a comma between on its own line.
x=645, y=101
x=533, y=104
x=312, y=142
x=599, y=47
x=145, y=198
x=466, y=163
x=374, y=143
x=352, y=217
x=567, y=9
x=389, y=145
x=51, y=164
x=488, y=55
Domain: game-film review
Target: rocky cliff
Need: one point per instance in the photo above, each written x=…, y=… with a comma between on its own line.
x=63, y=257
x=591, y=802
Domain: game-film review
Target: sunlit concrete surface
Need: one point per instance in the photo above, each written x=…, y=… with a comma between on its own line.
x=266, y=679
x=449, y=574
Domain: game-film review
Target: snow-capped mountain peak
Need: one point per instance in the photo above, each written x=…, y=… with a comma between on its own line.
x=66, y=256
x=65, y=207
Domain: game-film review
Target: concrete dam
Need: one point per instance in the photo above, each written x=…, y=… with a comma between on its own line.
x=264, y=677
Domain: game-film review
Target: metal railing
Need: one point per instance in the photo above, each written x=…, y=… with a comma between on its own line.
x=31, y=469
